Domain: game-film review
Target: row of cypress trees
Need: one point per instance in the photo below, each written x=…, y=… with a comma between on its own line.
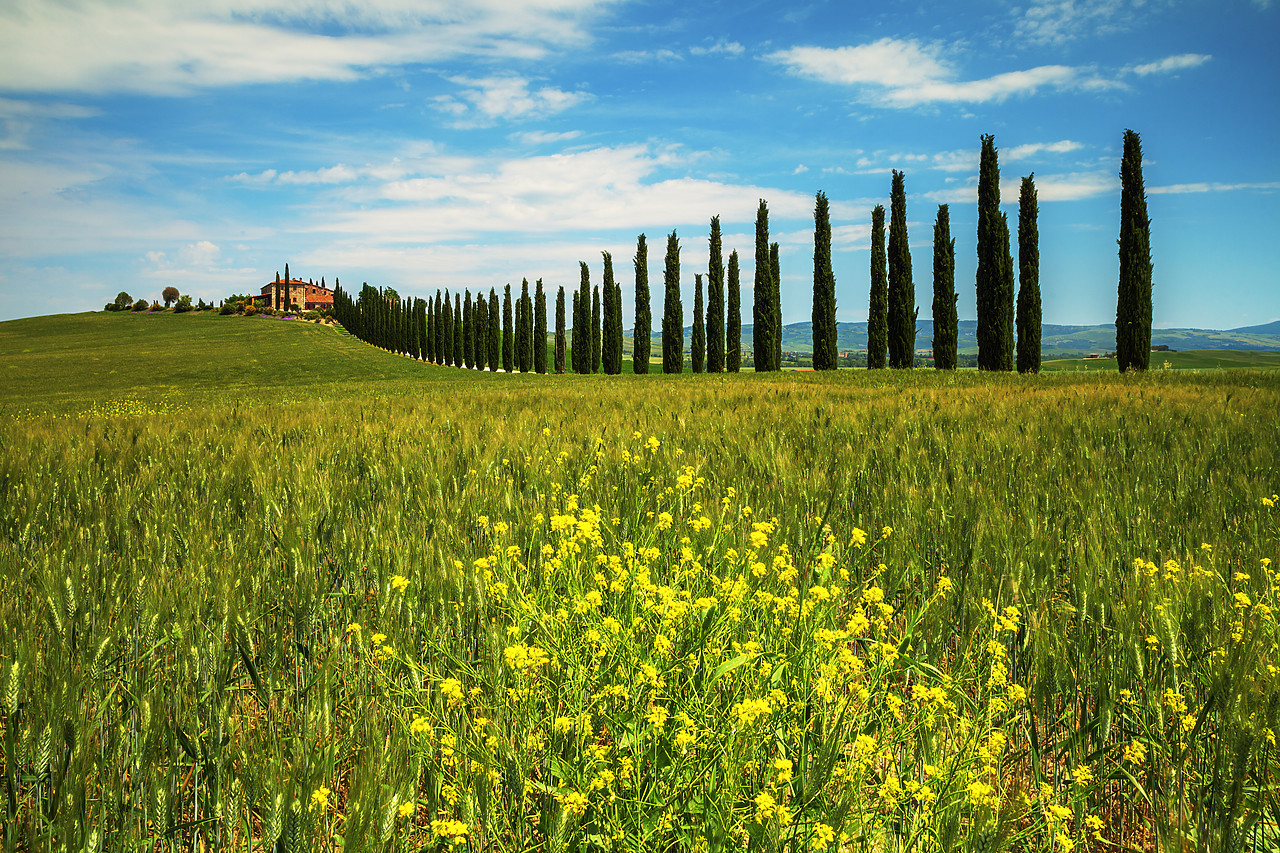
x=473, y=333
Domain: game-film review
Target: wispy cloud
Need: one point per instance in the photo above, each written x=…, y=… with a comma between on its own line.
x=905, y=73
x=731, y=48
x=959, y=160
x=1213, y=187
x=1061, y=21
x=507, y=97
x=543, y=137
x=1073, y=186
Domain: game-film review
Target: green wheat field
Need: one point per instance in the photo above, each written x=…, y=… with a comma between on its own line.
x=266, y=588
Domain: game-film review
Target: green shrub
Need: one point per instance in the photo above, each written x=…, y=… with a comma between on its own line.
x=141, y=305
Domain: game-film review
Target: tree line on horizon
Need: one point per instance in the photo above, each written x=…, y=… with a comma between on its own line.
x=482, y=332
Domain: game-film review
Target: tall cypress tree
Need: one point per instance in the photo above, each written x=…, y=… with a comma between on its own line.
x=878, y=311
x=715, y=301
x=431, y=329
x=508, y=334
x=672, y=311
x=902, y=292
x=1028, y=278
x=524, y=349
x=994, y=281
x=1133, y=300
x=495, y=332
x=560, y=330
x=448, y=329
x=581, y=342
x=595, y=330
x=945, y=322
x=481, y=323
x=468, y=334
x=459, y=340
x=824, y=288
x=611, y=365
x=733, y=322
x=775, y=302
x=644, y=318
x=575, y=356
x=540, y=330
x=698, y=340
x=762, y=331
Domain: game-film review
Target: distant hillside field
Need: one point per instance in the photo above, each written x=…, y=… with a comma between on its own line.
x=1189, y=360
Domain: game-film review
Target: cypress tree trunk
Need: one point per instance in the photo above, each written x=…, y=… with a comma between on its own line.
x=481, y=323
x=595, y=330
x=775, y=303
x=672, y=311
x=611, y=349
x=945, y=322
x=540, y=330
x=1133, y=301
x=640, y=339
x=448, y=330
x=762, y=331
x=733, y=323
x=1028, y=278
x=495, y=332
x=459, y=341
x=824, y=288
x=902, y=292
x=698, y=340
x=508, y=334
x=878, y=311
x=715, y=302
x=560, y=330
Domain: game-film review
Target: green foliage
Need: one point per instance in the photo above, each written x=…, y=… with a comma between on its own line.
x=775, y=302
x=902, y=292
x=1133, y=304
x=123, y=301
x=878, y=313
x=698, y=338
x=459, y=340
x=508, y=333
x=596, y=344
x=1028, y=278
x=762, y=313
x=644, y=317
x=540, y=330
x=611, y=333
x=524, y=330
x=580, y=343
x=560, y=332
x=995, y=268
x=824, y=288
x=945, y=321
x=672, y=310
x=715, y=301
x=733, y=322
x=495, y=332
x=170, y=295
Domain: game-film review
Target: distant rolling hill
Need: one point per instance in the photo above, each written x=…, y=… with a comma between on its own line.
x=1055, y=341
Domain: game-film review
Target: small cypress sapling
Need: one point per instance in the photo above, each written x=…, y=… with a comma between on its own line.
x=878, y=312
x=672, y=311
x=641, y=337
x=698, y=339
x=1028, y=278
x=540, y=330
x=560, y=347
x=733, y=322
x=945, y=322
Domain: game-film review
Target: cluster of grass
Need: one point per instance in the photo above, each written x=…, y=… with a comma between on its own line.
x=850, y=612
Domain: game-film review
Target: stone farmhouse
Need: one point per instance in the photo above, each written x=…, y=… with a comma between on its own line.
x=294, y=294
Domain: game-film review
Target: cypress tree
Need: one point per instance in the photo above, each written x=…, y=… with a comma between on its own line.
x=698, y=340
x=575, y=358
x=733, y=323
x=468, y=334
x=595, y=330
x=644, y=318
x=422, y=328
x=1133, y=300
x=560, y=330
x=715, y=301
x=581, y=343
x=775, y=301
x=448, y=330
x=878, y=311
x=995, y=267
x=611, y=365
x=945, y=322
x=824, y=288
x=617, y=326
x=1028, y=278
x=459, y=341
x=431, y=329
x=672, y=311
x=508, y=334
x=524, y=348
x=494, y=335
x=481, y=323
x=762, y=331
x=902, y=292
x=540, y=330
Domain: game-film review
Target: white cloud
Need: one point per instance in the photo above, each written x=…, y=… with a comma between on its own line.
x=890, y=63
x=1172, y=63
x=958, y=160
x=543, y=137
x=506, y=97
x=731, y=48
x=1061, y=21
x=1212, y=187
x=165, y=48
x=638, y=57
x=1029, y=150
x=1074, y=186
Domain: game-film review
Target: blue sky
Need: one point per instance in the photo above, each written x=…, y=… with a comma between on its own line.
x=423, y=144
